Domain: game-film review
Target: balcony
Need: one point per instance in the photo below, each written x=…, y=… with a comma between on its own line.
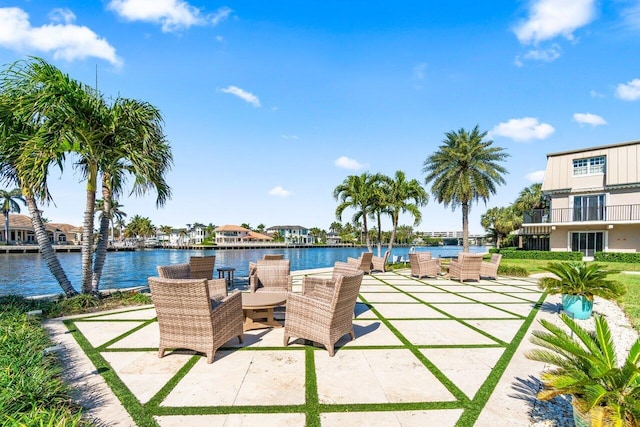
x=615, y=213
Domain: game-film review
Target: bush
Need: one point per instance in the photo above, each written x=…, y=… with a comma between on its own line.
x=31, y=385
x=631, y=257
x=511, y=253
x=512, y=270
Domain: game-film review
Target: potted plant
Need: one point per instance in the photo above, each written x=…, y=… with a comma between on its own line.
x=578, y=282
x=585, y=366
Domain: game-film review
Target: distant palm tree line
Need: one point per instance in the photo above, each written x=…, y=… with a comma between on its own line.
x=47, y=117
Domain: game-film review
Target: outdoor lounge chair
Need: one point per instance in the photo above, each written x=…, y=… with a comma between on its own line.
x=363, y=262
x=422, y=265
x=323, y=315
x=466, y=267
x=318, y=284
x=271, y=276
x=183, y=271
x=490, y=269
x=379, y=263
x=189, y=319
x=273, y=256
x=201, y=267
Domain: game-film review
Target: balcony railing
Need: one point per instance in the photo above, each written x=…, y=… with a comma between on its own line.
x=597, y=213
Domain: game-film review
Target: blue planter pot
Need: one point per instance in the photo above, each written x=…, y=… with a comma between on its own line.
x=578, y=306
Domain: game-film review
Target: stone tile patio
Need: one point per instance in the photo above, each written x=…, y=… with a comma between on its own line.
x=427, y=352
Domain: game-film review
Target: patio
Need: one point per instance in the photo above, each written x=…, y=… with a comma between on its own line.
x=427, y=352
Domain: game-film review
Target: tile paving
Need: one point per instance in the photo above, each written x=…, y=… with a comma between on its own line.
x=427, y=352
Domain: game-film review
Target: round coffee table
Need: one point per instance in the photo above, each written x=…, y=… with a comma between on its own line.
x=258, y=309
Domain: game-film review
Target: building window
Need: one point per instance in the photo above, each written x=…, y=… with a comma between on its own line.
x=590, y=166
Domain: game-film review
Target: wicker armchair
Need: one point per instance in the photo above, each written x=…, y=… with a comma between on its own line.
x=363, y=262
x=466, y=267
x=273, y=257
x=188, y=318
x=271, y=276
x=217, y=287
x=490, y=269
x=422, y=265
x=201, y=267
x=379, y=263
x=323, y=316
x=313, y=284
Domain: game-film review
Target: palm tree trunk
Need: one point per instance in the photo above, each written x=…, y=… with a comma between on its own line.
x=87, y=231
x=366, y=231
x=465, y=227
x=46, y=249
x=6, y=226
x=379, y=233
x=395, y=219
x=103, y=237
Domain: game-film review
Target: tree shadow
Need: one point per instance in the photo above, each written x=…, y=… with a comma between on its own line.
x=557, y=411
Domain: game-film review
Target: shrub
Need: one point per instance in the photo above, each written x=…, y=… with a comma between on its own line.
x=512, y=270
x=511, y=253
x=630, y=257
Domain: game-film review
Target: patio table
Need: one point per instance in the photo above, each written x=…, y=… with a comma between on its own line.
x=258, y=309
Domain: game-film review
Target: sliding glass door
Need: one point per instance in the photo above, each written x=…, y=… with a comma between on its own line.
x=587, y=242
x=588, y=208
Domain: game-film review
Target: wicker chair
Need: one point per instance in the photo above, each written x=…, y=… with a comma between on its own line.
x=217, y=287
x=379, y=263
x=490, y=269
x=466, y=267
x=201, y=267
x=422, y=265
x=323, y=316
x=271, y=276
x=363, y=263
x=318, y=284
x=188, y=318
x=273, y=257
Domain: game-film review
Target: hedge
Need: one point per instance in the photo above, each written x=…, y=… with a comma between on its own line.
x=512, y=253
x=617, y=257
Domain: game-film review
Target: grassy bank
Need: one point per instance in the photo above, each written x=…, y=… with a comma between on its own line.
x=32, y=390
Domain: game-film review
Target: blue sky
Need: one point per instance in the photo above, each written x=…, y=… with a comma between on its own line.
x=268, y=106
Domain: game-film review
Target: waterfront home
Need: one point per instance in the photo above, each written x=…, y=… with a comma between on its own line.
x=294, y=234
x=21, y=231
x=234, y=234
x=594, y=196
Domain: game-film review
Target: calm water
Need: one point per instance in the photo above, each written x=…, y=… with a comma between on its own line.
x=27, y=274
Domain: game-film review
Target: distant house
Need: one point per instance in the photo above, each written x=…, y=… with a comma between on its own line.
x=594, y=198
x=333, y=239
x=293, y=234
x=21, y=231
x=234, y=234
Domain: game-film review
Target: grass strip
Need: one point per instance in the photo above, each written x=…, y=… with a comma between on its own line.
x=124, y=335
x=137, y=411
x=155, y=401
x=312, y=410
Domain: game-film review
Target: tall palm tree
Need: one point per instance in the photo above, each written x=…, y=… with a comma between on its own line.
x=531, y=198
x=9, y=200
x=356, y=192
x=465, y=168
x=114, y=214
x=404, y=196
x=379, y=204
x=27, y=151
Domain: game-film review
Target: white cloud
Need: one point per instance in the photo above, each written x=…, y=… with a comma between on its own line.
x=589, y=119
x=536, y=176
x=419, y=71
x=347, y=163
x=629, y=91
x=631, y=16
x=173, y=15
x=62, y=38
x=551, y=18
x=595, y=94
x=545, y=55
x=524, y=129
x=289, y=136
x=242, y=94
x=279, y=191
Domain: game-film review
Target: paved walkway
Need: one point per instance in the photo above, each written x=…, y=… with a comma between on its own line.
x=428, y=352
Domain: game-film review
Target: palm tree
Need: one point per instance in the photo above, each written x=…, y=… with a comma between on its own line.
x=404, y=197
x=357, y=192
x=379, y=204
x=500, y=222
x=9, y=200
x=465, y=168
x=27, y=151
x=114, y=214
